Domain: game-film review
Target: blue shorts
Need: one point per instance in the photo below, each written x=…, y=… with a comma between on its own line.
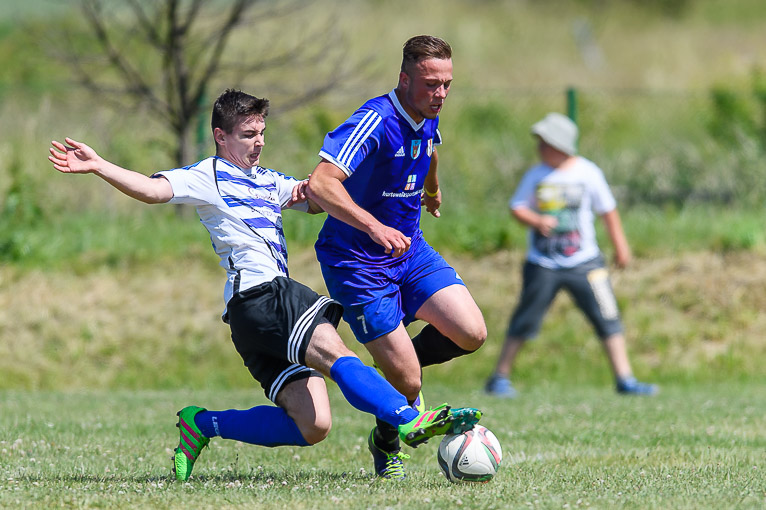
x=376, y=299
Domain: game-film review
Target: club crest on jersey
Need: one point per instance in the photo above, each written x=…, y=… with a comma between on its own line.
x=430, y=147
x=415, y=149
x=410, y=183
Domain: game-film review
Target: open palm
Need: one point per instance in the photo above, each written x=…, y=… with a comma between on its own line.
x=74, y=158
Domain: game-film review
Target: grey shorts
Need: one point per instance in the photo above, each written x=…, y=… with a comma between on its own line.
x=589, y=286
x=271, y=325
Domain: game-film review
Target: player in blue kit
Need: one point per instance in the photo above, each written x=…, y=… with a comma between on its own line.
x=378, y=168
x=284, y=331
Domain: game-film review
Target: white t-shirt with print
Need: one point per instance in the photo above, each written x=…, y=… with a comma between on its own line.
x=572, y=195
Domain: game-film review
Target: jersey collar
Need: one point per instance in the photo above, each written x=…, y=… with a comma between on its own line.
x=415, y=126
x=250, y=172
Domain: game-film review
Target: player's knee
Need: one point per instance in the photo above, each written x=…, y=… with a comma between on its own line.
x=480, y=336
x=473, y=338
x=316, y=430
x=408, y=385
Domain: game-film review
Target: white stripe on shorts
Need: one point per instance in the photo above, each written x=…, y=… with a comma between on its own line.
x=300, y=328
x=280, y=380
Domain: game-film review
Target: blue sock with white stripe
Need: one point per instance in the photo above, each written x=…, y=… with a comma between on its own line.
x=261, y=425
x=366, y=390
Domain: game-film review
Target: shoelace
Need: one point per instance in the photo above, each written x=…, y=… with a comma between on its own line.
x=394, y=465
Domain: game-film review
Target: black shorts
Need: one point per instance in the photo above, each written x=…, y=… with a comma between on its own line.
x=589, y=286
x=271, y=325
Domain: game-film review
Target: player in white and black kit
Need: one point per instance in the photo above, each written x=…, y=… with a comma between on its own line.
x=557, y=199
x=283, y=330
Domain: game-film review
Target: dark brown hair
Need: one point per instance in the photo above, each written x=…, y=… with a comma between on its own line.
x=423, y=47
x=232, y=105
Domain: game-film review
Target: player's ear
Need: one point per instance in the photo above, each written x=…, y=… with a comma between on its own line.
x=219, y=136
x=404, y=80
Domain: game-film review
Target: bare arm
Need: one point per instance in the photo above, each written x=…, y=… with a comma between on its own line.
x=314, y=208
x=431, y=185
x=326, y=189
x=543, y=223
x=617, y=235
x=78, y=158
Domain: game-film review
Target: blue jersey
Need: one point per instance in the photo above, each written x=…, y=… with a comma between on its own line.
x=386, y=156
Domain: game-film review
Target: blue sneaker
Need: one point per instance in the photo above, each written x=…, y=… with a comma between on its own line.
x=631, y=386
x=499, y=386
x=388, y=465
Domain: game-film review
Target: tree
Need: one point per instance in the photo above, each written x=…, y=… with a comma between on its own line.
x=167, y=55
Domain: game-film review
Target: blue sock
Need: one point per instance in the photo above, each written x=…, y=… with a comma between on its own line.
x=366, y=390
x=261, y=425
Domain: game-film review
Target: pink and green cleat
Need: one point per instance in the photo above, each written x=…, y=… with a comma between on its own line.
x=436, y=422
x=191, y=443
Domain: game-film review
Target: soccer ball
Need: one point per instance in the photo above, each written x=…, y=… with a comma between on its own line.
x=473, y=456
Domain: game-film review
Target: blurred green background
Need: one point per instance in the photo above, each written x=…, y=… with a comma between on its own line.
x=99, y=290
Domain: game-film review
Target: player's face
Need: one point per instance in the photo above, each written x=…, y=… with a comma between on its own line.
x=425, y=87
x=244, y=144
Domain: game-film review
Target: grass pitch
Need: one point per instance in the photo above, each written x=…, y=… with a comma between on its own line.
x=695, y=446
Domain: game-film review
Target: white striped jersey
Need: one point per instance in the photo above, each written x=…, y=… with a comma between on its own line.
x=242, y=211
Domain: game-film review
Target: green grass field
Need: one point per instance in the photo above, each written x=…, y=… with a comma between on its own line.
x=693, y=446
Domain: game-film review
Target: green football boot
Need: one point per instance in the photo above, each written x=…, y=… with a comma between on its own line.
x=191, y=443
x=436, y=422
x=463, y=419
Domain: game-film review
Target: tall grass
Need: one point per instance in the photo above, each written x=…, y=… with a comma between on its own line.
x=158, y=235
x=648, y=115
x=668, y=175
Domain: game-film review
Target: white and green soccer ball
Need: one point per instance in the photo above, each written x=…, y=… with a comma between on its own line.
x=473, y=456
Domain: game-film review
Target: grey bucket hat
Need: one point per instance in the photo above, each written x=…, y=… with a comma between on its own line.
x=558, y=131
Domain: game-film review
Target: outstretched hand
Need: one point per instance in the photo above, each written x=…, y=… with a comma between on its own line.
x=75, y=158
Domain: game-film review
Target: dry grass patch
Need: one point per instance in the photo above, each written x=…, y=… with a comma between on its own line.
x=158, y=325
